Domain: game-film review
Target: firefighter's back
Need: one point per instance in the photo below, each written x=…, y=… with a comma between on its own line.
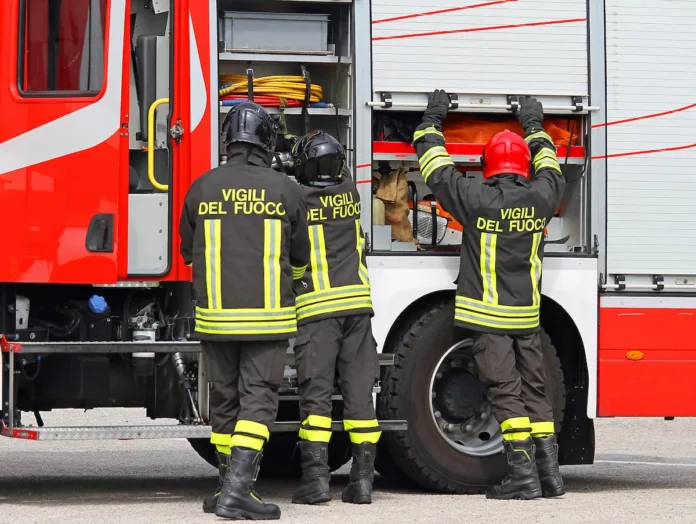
x=242, y=272
x=336, y=282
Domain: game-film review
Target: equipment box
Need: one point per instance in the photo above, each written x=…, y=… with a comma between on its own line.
x=274, y=32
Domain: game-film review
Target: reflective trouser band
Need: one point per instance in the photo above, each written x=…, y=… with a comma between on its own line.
x=434, y=158
x=221, y=439
x=535, y=268
x=272, y=248
x=317, y=258
x=496, y=310
x=335, y=306
x=246, y=328
x=542, y=429
x=363, y=431
x=298, y=271
x=245, y=315
x=517, y=428
x=360, y=247
x=225, y=450
x=249, y=434
x=213, y=265
x=316, y=428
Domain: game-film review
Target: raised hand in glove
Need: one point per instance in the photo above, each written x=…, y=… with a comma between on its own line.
x=531, y=113
x=438, y=105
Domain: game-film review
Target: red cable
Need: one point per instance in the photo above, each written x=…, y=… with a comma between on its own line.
x=262, y=100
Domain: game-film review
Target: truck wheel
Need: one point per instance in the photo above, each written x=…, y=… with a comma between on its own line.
x=453, y=443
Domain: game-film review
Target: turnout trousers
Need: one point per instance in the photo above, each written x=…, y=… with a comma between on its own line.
x=244, y=395
x=513, y=369
x=344, y=345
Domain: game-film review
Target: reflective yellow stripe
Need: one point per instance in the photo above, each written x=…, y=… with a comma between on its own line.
x=272, y=236
x=316, y=435
x=360, y=246
x=314, y=297
x=548, y=164
x=535, y=270
x=435, y=164
x=539, y=134
x=249, y=434
x=246, y=328
x=213, y=275
x=334, y=306
x=360, y=437
x=318, y=421
x=298, y=272
x=222, y=439
x=427, y=131
x=520, y=425
x=543, y=429
x=431, y=154
x=245, y=315
x=497, y=309
x=487, y=260
x=320, y=267
x=225, y=450
x=479, y=319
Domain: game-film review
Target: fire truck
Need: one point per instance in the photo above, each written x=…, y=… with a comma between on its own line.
x=113, y=107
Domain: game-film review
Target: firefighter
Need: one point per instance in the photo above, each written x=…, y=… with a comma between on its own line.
x=244, y=230
x=334, y=312
x=498, y=295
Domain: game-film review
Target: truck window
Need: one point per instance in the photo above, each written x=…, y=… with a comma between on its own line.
x=61, y=46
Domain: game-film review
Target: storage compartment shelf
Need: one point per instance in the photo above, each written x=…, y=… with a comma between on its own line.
x=283, y=56
x=319, y=111
x=461, y=153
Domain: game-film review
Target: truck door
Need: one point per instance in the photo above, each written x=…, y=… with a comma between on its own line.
x=64, y=134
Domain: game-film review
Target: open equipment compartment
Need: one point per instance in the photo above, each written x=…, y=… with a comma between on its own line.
x=311, y=43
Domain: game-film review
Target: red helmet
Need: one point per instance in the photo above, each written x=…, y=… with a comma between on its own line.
x=506, y=154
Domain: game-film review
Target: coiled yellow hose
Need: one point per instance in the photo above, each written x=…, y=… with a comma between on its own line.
x=292, y=87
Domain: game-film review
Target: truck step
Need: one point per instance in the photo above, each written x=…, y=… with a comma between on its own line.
x=154, y=431
x=48, y=348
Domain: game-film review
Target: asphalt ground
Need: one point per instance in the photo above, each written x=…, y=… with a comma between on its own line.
x=645, y=472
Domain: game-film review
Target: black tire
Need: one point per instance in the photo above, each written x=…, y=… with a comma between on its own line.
x=205, y=449
x=421, y=453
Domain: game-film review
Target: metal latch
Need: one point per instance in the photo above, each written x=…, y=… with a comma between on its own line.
x=620, y=281
x=659, y=282
x=176, y=131
x=454, y=100
x=514, y=103
x=578, y=104
x=387, y=99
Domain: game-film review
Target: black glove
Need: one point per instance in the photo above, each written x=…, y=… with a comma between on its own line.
x=438, y=105
x=531, y=113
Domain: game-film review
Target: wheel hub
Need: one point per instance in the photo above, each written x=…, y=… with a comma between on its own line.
x=459, y=407
x=458, y=394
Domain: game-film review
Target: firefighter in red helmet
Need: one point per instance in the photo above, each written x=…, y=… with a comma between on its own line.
x=498, y=293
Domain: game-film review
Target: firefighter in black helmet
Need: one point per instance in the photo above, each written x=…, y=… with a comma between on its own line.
x=244, y=229
x=498, y=293
x=334, y=311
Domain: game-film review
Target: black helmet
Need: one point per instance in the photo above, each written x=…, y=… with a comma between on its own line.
x=319, y=159
x=249, y=123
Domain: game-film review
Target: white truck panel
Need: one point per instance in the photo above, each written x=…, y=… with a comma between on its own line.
x=651, y=196
x=397, y=282
x=509, y=47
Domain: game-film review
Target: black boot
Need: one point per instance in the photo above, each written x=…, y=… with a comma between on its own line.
x=314, y=485
x=547, y=463
x=209, y=503
x=523, y=480
x=238, y=499
x=362, y=474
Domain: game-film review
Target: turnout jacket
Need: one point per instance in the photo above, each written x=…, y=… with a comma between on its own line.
x=244, y=229
x=336, y=283
x=498, y=289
